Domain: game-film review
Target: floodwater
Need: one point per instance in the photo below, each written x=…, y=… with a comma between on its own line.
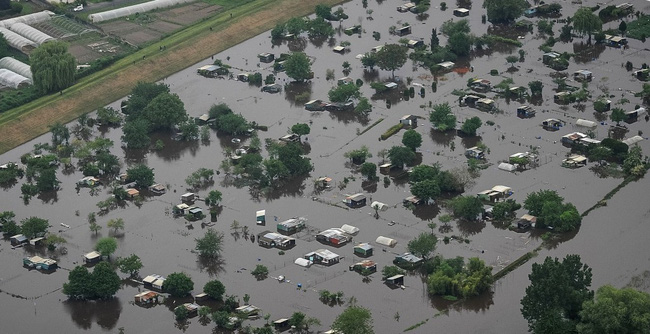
x=611, y=239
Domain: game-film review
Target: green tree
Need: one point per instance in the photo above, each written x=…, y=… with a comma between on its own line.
x=390, y=271
x=106, y=246
x=47, y=180
x=412, y=139
x=617, y=115
x=165, y=111
x=344, y=93
x=94, y=227
x=60, y=134
x=221, y=318
x=105, y=282
x=615, y=311
x=107, y=163
x=53, y=67
x=358, y=156
x=211, y=244
x=142, y=175
x=363, y=106
x=369, y=170
x=301, y=322
x=586, y=22
x=33, y=226
x=116, y=224
x=391, y=57
x=181, y=312
x=79, y=283
x=53, y=240
x=260, y=272
x=424, y=172
x=130, y=264
x=505, y=210
x=467, y=207
x=215, y=289
x=301, y=129
x=442, y=118
x=460, y=44
x=470, y=126
x=369, y=60
x=178, y=284
x=189, y=130
x=108, y=116
x=291, y=156
x=535, y=201
x=600, y=153
x=141, y=95
x=135, y=133
x=644, y=93
x=213, y=198
x=536, y=87
x=512, y=60
x=295, y=26
x=319, y=28
x=556, y=293
x=426, y=189
x=400, y=155
x=354, y=320
x=633, y=165
x=232, y=124
x=323, y=11
x=504, y=11
x=298, y=66
x=423, y=245
x=275, y=169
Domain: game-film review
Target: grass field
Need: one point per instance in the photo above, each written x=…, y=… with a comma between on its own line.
x=184, y=48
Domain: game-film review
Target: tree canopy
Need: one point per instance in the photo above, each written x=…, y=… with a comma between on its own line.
x=102, y=283
x=391, y=57
x=412, y=139
x=504, y=11
x=53, y=67
x=467, y=207
x=178, y=284
x=423, y=245
x=556, y=293
x=470, y=126
x=130, y=264
x=141, y=174
x=106, y=246
x=298, y=67
x=615, y=311
x=354, y=320
x=301, y=129
x=401, y=155
x=211, y=244
x=164, y=112
x=33, y=226
x=343, y=93
x=442, y=118
x=550, y=211
x=586, y=22
x=453, y=277
x=215, y=289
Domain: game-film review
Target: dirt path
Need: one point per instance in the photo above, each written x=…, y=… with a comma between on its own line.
x=184, y=48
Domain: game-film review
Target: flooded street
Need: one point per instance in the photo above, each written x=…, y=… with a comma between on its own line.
x=612, y=239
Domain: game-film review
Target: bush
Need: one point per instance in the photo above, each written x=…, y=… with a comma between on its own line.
x=494, y=72
x=393, y=130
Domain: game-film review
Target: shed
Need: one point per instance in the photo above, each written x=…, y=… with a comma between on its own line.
x=475, y=153
x=461, y=12
x=526, y=221
x=377, y=48
x=447, y=65
x=339, y=106
x=243, y=77
x=355, y=201
x=633, y=140
x=92, y=257
x=37, y=241
x=272, y=88
x=88, y=181
x=405, y=30
x=315, y=105
x=407, y=259
x=481, y=85
x=586, y=124
x=634, y=114
x=212, y=71
x=485, y=104
x=132, y=193
x=552, y=124
x=16, y=66
x=290, y=138
x=12, y=79
x=385, y=168
x=507, y=167
x=574, y=161
x=269, y=239
x=582, y=75
x=345, y=81
x=338, y=49
x=260, y=217
x=303, y=262
x=376, y=205
x=469, y=100
x=18, y=239
x=146, y=297
x=363, y=249
x=548, y=57
x=352, y=30
x=405, y=7
x=192, y=308
x=525, y=112
x=266, y=57
x=349, y=229
x=390, y=85
x=365, y=265
x=281, y=324
x=154, y=281
x=396, y=280
x=39, y=263
x=324, y=182
x=157, y=189
x=291, y=226
x=323, y=256
x=409, y=120
x=188, y=197
x=561, y=97
x=414, y=43
x=572, y=138
x=386, y=241
x=333, y=236
x=196, y=212
x=181, y=209
x=414, y=200
x=247, y=310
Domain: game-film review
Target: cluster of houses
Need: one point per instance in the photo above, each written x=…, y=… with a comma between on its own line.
x=186, y=209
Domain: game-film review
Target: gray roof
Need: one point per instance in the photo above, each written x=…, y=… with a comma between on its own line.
x=12, y=79
x=16, y=66
x=17, y=41
x=27, y=19
x=30, y=33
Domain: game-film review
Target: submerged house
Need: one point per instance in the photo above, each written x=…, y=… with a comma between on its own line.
x=552, y=124
x=409, y=120
x=192, y=308
x=526, y=221
x=469, y=100
x=39, y=263
x=363, y=249
x=266, y=57
x=582, y=75
x=154, y=281
x=405, y=7
x=272, y=88
x=345, y=81
x=315, y=105
x=407, y=260
x=574, y=161
x=397, y=280
x=146, y=297
x=405, y=30
x=188, y=197
x=572, y=138
x=495, y=194
x=461, y=12
x=323, y=256
x=291, y=226
x=411, y=200
x=481, y=85
x=413, y=43
x=92, y=257
x=385, y=241
x=247, y=310
x=18, y=239
x=212, y=71
x=475, y=153
x=157, y=189
x=333, y=236
x=525, y=112
x=339, y=106
x=88, y=181
x=364, y=266
x=270, y=239
x=485, y=104
x=549, y=57
x=355, y=201
x=632, y=116
x=324, y=182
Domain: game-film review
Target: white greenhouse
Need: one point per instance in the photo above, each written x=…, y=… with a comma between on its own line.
x=16, y=41
x=16, y=66
x=130, y=10
x=27, y=19
x=12, y=79
x=31, y=33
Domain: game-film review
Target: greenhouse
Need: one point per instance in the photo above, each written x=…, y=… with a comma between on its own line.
x=16, y=66
x=16, y=41
x=130, y=10
x=27, y=19
x=31, y=33
x=12, y=79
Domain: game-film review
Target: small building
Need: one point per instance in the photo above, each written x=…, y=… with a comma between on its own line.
x=290, y=138
x=469, y=100
x=188, y=197
x=364, y=266
x=195, y=213
x=385, y=241
x=201, y=296
x=303, y=262
x=588, y=142
x=324, y=182
x=385, y=168
x=549, y=57
x=339, y=49
x=212, y=71
x=192, y=308
x=132, y=193
x=37, y=241
x=530, y=12
x=409, y=120
x=355, y=201
x=411, y=200
x=507, y=167
x=561, y=97
x=574, y=161
x=376, y=48
x=243, y=77
x=269, y=239
x=481, y=85
x=632, y=116
x=461, y=12
x=39, y=263
x=525, y=112
x=260, y=217
x=266, y=57
x=92, y=257
x=632, y=140
x=485, y=104
x=407, y=260
x=272, y=88
x=572, y=138
x=447, y=65
x=323, y=256
x=349, y=229
x=403, y=31
x=379, y=206
x=363, y=249
x=146, y=297
x=405, y=7
x=291, y=226
x=526, y=221
x=339, y=106
x=615, y=41
x=352, y=30
x=181, y=209
x=475, y=153
x=552, y=124
x=88, y=181
x=247, y=310
x=642, y=74
x=122, y=178
x=518, y=91
x=158, y=189
x=315, y=105
x=582, y=75
x=345, y=81
x=281, y=324
x=18, y=239
x=397, y=280
x=154, y=282
x=390, y=85
x=591, y=125
x=333, y=236
x=495, y=194
x=413, y=43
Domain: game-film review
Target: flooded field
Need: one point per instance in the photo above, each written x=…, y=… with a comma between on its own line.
x=611, y=238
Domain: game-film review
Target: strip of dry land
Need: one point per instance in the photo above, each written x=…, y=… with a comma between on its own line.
x=183, y=48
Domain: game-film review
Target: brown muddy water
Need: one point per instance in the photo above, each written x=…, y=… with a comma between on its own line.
x=612, y=239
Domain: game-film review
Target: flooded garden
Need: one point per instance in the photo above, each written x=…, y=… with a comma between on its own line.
x=610, y=238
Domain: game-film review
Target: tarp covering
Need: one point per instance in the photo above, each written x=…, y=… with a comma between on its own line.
x=17, y=66
x=633, y=140
x=16, y=41
x=587, y=124
x=30, y=33
x=130, y=10
x=12, y=79
x=27, y=19
x=380, y=206
x=303, y=262
x=386, y=241
x=349, y=229
x=506, y=166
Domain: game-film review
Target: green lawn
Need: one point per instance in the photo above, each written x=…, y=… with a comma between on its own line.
x=638, y=29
